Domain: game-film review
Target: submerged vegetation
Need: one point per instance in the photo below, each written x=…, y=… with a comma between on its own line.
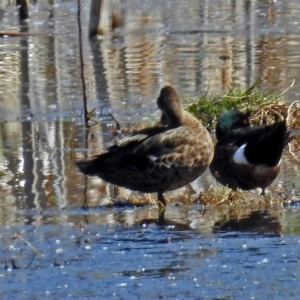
x=265, y=106
x=218, y=196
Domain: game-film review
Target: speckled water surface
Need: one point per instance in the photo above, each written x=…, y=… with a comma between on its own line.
x=59, y=238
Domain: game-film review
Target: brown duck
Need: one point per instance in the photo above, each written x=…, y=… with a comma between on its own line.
x=247, y=157
x=160, y=158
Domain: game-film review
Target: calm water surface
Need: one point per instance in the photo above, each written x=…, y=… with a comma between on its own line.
x=59, y=238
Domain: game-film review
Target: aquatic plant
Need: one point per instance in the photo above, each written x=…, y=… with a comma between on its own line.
x=265, y=106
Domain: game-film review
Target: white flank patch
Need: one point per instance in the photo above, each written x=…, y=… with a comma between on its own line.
x=239, y=156
x=152, y=157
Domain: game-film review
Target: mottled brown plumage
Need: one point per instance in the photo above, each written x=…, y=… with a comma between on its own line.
x=160, y=158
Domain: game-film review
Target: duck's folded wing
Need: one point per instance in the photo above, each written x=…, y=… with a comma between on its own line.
x=244, y=135
x=170, y=141
x=138, y=137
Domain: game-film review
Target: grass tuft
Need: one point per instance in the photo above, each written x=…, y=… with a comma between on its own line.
x=265, y=107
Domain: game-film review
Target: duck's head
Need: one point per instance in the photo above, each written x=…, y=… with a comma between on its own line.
x=169, y=103
x=229, y=120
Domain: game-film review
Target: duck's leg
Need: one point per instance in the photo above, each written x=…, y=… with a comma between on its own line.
x=161, y=199
x=161, y=207
x=161, y=215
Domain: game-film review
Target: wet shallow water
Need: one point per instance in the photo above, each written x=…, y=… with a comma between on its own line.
x=182, y=259
x=88, y=250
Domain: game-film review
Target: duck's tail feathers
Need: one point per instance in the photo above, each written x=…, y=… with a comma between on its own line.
x=268, y=148
x=90, y=167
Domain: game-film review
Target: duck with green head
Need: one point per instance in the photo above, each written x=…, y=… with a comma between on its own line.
x=160, y=158
x=247, y=157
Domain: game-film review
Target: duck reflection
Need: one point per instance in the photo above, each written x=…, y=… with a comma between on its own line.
x=260, y=222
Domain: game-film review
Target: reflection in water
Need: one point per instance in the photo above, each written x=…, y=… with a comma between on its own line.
x=259, y=222
x=191, y=46
x=90, y=248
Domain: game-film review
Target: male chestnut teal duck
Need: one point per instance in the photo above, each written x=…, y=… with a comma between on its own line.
x=247, y=157
x=160, y=158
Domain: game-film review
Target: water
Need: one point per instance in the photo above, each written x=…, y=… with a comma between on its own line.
x=58, y=236
x=122, y=260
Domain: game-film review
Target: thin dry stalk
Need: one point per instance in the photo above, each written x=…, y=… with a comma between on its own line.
x=85, y=110
x=35, y=251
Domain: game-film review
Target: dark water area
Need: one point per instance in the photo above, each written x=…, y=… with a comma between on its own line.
x=67, y=236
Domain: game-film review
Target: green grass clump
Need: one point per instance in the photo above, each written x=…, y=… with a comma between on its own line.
x=263, y=105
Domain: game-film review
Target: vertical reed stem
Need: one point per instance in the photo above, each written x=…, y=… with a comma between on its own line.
x=23, y=9
x=85, y=111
